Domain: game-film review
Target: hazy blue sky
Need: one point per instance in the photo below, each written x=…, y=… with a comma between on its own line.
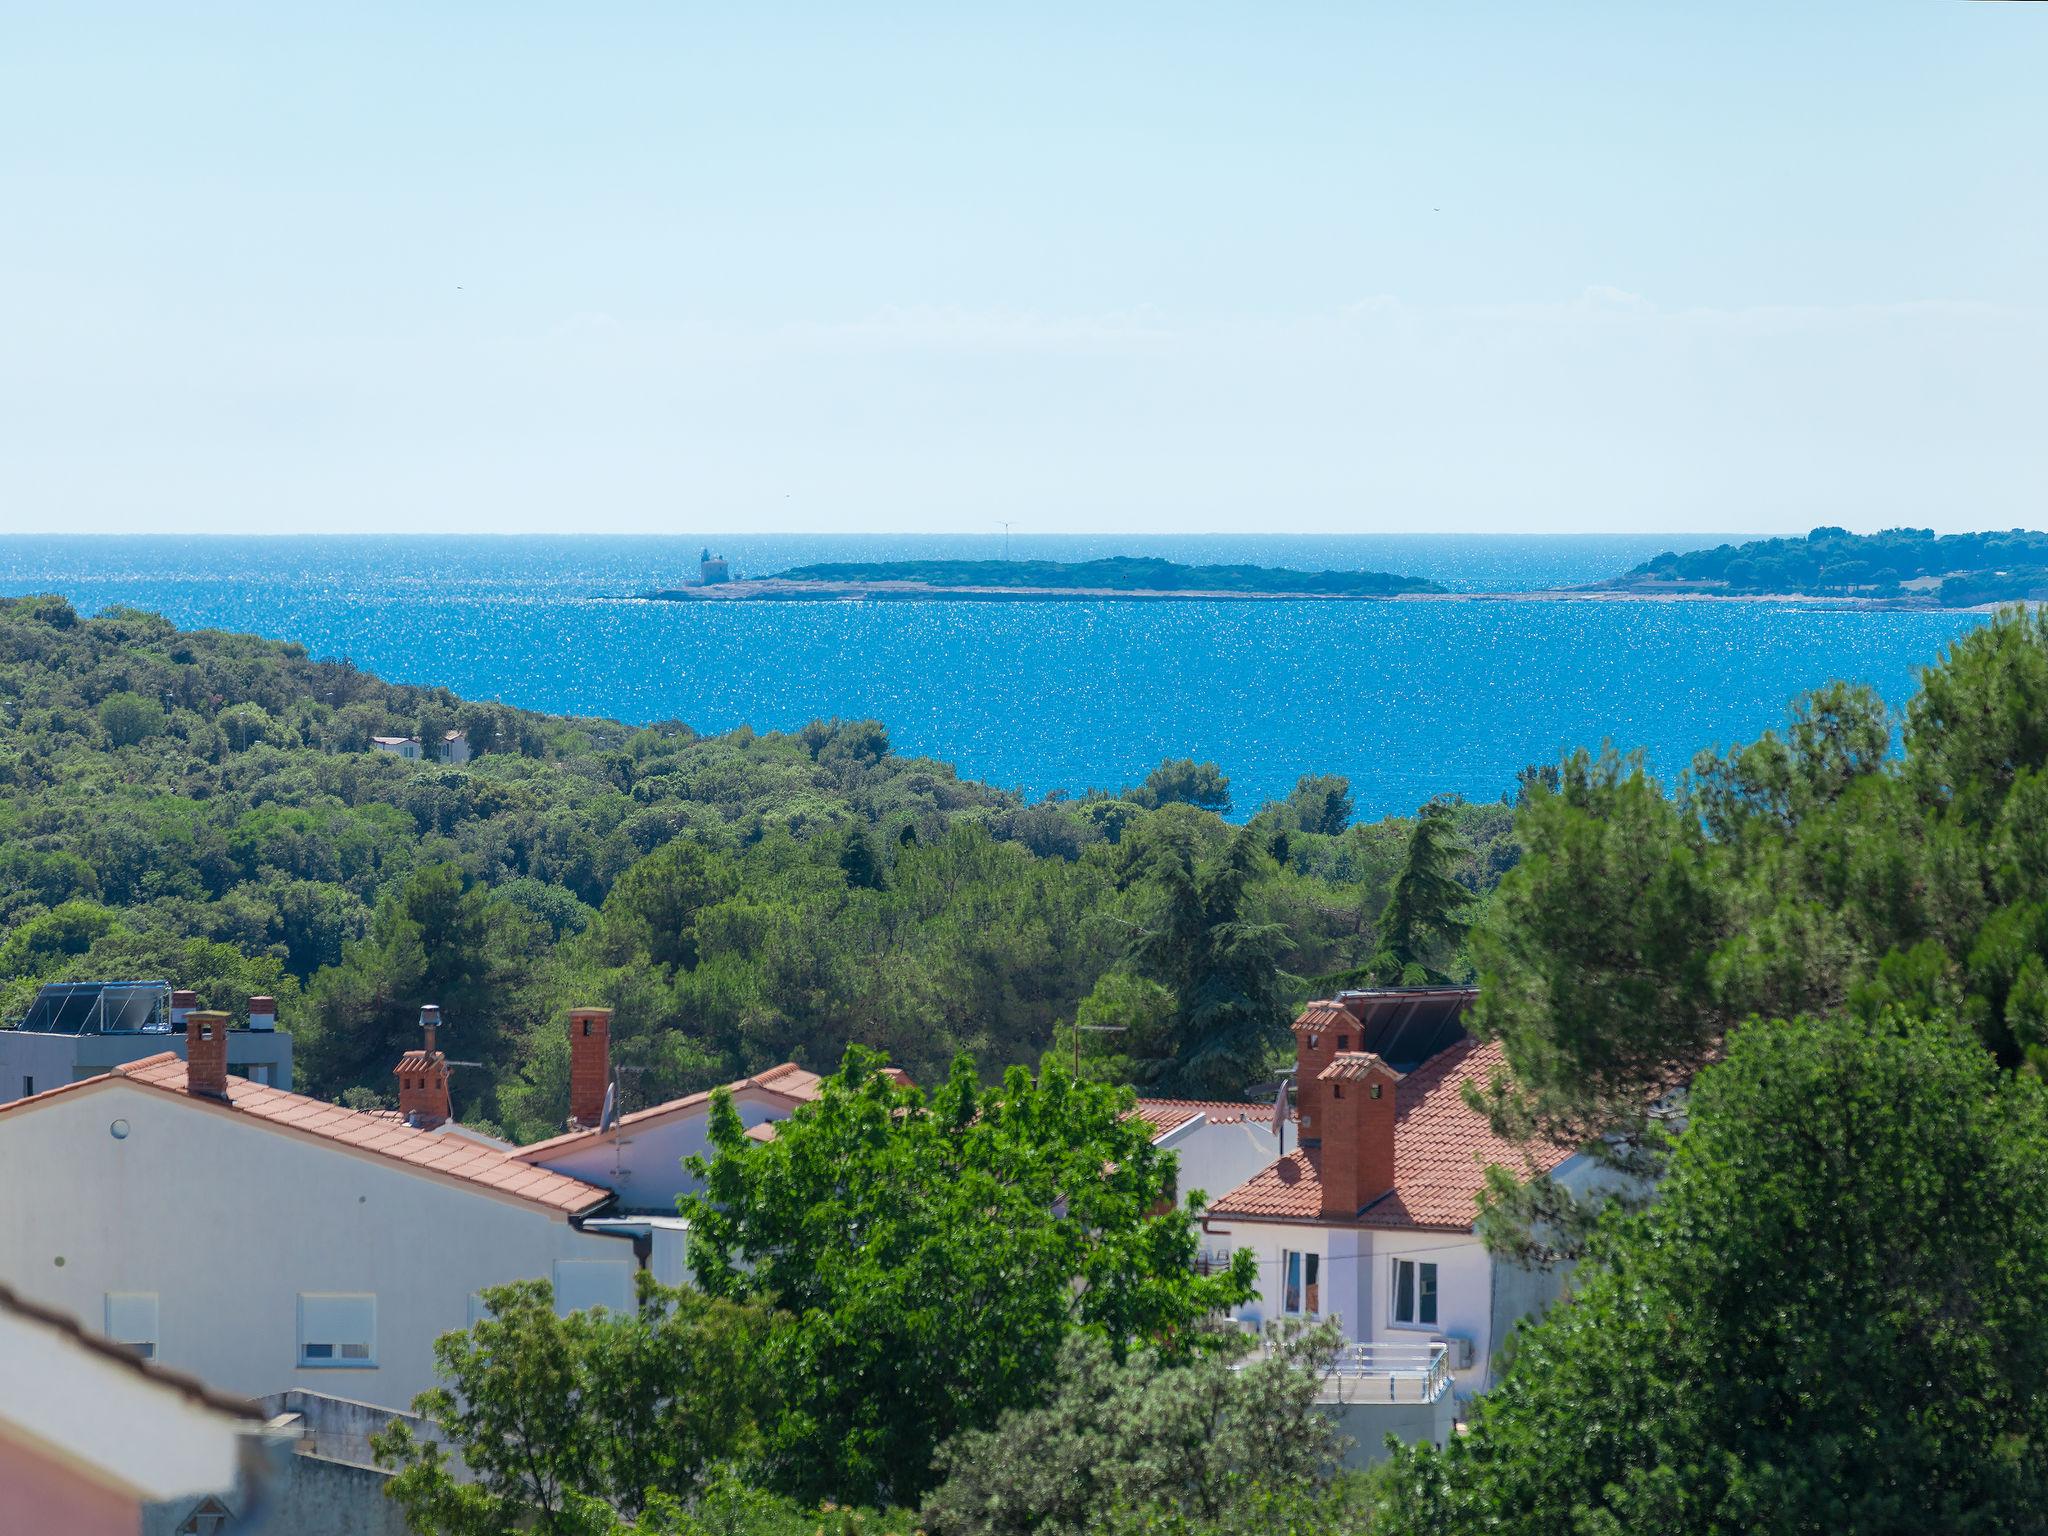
x=1744, y=265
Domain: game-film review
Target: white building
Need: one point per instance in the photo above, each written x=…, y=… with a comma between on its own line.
x=1219, y=1144
x=267, y=1241
x=639, y=1157
x=407, y=747
x=79, y=1029
x=1370, y=1219
x=454, y=747
x=91, y=1432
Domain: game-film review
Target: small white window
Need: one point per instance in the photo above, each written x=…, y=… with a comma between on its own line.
x=338, y=1329
x=1414, y=1293
x=131, y=1320
x=1301, y=1290
x=585, y=1283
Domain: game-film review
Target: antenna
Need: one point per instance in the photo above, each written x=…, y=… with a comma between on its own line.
x=1006, y=538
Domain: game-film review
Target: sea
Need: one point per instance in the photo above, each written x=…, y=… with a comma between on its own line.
x=1407, y=700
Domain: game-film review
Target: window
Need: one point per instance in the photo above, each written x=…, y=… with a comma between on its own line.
x=583, y=1283
x=1414, y=1293
x=131, y=1320
x=28, y=1087
x=1301, y=1284
x=337, y=1329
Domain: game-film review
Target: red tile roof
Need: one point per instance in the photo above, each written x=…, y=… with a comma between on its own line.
x=1166, y=1115
x=451, y=1156
x=1441, y=1149
x=788, y=1081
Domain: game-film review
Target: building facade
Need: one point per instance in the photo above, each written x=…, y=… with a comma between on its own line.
x=76, y=1030
x=1369, y=1219
x=265, y=1241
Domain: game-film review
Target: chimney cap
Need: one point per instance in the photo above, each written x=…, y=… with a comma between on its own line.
x=1356, y=1066
x=262, y=1003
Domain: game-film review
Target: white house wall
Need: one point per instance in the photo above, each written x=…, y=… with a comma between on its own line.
x=643, y=1164
x=1215, y=1159
x=1357, y=1280
x=227, y=1222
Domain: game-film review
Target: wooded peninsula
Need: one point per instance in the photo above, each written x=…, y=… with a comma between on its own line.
x=1899, y=567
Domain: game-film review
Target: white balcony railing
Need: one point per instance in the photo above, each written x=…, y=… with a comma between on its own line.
x=1388, y=1373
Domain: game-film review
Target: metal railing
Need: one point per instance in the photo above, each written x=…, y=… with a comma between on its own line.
x=1388, y=1372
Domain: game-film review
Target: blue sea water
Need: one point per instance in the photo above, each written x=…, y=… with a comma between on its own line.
x=1406, y=699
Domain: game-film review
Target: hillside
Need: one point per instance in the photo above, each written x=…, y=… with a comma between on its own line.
x=1915, y=565
x=209, y=808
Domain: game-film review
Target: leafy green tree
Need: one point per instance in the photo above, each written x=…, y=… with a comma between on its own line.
x=128, y=718
x=1428, y=912
x=1835, y=1318
x=1202, y=1438
x=1183, y=781
x=929, y=1259
x=571, y=1426
x=1321, y=803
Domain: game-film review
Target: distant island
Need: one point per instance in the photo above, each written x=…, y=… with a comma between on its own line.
x=1120, y=577
x=1912, y=567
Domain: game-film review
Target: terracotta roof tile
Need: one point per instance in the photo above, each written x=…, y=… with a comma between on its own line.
x=295, y=1114
x=788, y=1081
x=1441, y=1150
x=1166, y=1115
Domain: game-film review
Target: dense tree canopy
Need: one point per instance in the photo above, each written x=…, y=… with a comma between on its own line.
x=1835, y=1317
x=1805, y=872
x=928, y=1259
x=206, y=808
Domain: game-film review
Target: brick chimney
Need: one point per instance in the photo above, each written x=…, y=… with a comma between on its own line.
x=590, y=1063
x=1323, y=1030
x=263, y=1013
x=182, y=1004
x=1358, y=1132
x=206, y=1054
x=423, y=1078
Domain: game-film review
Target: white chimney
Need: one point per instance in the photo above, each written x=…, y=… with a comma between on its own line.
x=182, y=1004
x=263, y=1013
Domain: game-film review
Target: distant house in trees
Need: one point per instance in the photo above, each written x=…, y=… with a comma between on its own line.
x=407, y=747
x=1369, y=1219
x=453, y=747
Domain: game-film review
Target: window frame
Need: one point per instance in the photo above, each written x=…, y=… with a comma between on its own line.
x=338, y=1358
x=1301, y=1285
x=123, y=1324
x=1424, y=1294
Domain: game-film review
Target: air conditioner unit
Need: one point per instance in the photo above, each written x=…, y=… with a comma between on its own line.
x=1461, y=1352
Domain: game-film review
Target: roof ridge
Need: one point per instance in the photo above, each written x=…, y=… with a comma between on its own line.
x=279, y=1109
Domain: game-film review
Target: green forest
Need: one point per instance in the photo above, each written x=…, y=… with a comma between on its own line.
x=207, y=808
x=1954, y=570
x=1119, y=573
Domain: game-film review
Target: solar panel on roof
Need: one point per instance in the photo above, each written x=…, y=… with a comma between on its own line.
x=98, y=1007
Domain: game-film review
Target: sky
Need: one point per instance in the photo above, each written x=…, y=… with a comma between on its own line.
x=1191, y=267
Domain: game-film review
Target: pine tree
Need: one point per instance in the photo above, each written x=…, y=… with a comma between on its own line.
x=1429, y=912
